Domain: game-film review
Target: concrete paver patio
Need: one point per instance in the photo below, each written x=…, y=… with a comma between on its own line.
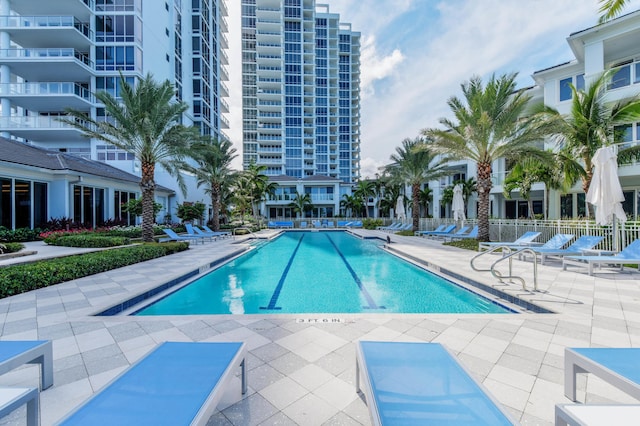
x=301, y=370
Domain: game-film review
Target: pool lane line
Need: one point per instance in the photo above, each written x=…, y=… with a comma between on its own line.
x=363, y=290
x=278, y=289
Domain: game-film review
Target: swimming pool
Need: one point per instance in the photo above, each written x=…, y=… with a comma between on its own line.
x=320, y=272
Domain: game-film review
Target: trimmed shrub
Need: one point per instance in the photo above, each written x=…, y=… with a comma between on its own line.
x=26, y=277
x=10, y=247
x=468, y=244
x=19, y=235
x=369, y=223
x=89, y=241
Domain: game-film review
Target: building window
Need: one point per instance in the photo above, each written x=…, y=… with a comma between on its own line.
x=88, y=206
x=565, y=86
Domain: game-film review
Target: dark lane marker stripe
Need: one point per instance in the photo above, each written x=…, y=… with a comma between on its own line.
x=278, y=289
x=365, y=293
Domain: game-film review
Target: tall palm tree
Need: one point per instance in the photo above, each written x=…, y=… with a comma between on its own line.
x=489, y=124
x=610, y=9
x=145, y=122
x=259, y=184
x=521, y=178
x=301, y=203
x=213, y=158
x=391, y=194
x=591, y=124
x=415, y=163
x=364, y=189
x=378, y=189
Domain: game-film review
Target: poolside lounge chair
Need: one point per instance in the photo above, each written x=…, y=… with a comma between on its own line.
x=447, y=230
x=405, y=227
x=393, y=225
x=356, y=224
x=178, y=383
x=303, y=224
x=330, y=224
x=630, y=255
x=316, y=223
x=194, y=230
x=13, y=398
x=597, y=414
x=463, y=230
x=438, y=229
x=223, y=234
x=422, y=383
x=172, y=236
x=15, y=353
x=473, y=234
x=616, y=366
x=525, y=239
x=583, y=243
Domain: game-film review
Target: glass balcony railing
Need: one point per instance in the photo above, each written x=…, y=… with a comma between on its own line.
x=46, y=53
x=47, y=22
x=47, y=88
x=37, y=122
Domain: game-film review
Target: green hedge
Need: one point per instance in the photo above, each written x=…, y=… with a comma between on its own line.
x=369, y=223
x=87, y=241
x=19, y=235
x=10, y=247
x=26, y=277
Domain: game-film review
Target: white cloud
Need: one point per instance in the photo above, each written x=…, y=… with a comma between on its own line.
x=369, y=167
x=374, y=66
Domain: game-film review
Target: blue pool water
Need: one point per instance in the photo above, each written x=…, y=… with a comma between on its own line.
x=320, y=272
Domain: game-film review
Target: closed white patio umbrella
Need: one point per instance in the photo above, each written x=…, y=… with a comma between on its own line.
x=400, y=213
x=605, y=192
x=457, y=205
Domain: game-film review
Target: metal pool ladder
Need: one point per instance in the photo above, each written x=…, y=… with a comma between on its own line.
x=509, y=257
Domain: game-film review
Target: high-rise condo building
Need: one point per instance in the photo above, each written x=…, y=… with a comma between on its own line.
x=55, y=54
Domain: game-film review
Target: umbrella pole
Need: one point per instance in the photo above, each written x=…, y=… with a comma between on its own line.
x=615, y=233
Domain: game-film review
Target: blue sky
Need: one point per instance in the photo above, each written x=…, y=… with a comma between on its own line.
x=416, y=53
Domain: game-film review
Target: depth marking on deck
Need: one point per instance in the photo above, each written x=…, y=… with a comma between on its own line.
x=276, y=291
x=372, y=304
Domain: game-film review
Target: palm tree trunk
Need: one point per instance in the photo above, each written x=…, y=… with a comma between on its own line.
x=215, y=204
x=586, y=183
x=530, y=208
x=484, y=188
x=415, y=207
x=148, y=186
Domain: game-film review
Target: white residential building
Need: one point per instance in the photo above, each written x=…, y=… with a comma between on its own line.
x=55, y=54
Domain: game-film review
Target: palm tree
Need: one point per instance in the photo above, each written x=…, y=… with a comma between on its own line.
x=391, y=194
x=592, y=124
x=213, y=158
x=426, y=197
x=521, y=178
x=259, y=184
x=378, y=189
x=489, y=125
x=415, y=163
x=447, y=195
x=145, y=122
x=469, y=187
x=301, y=203
x=609, y=9
x=364, y=189
x=351, y=203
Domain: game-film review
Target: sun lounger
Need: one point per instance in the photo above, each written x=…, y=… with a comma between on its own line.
x=303, y=224
x=391, y=227
x=15, y=353
x=356, y=224
x=438, y=229
x=13, y=398
x=616, y=366
x=223, y=234
x=178, y=383
x=525, y=240
x=447, y=230
x=172, y=236
x=597, y=414
x=473, y=234
x=422, y=383
x=195, y=231
x=630, y=255
x=586, y=242
x=463, y=230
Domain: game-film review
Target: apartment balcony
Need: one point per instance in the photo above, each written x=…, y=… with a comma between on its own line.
x=224, y=90
x=82, y=9
x=224, y=106
x=269, y=138
x=224, y=123
x=47, y=31
x=319, y=198
x=41, y=128
x=47, y=96
x=48, y=64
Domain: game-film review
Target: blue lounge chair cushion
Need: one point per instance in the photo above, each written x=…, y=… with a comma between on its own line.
x=172, y=385
x=14, y=353
x=423, y=383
